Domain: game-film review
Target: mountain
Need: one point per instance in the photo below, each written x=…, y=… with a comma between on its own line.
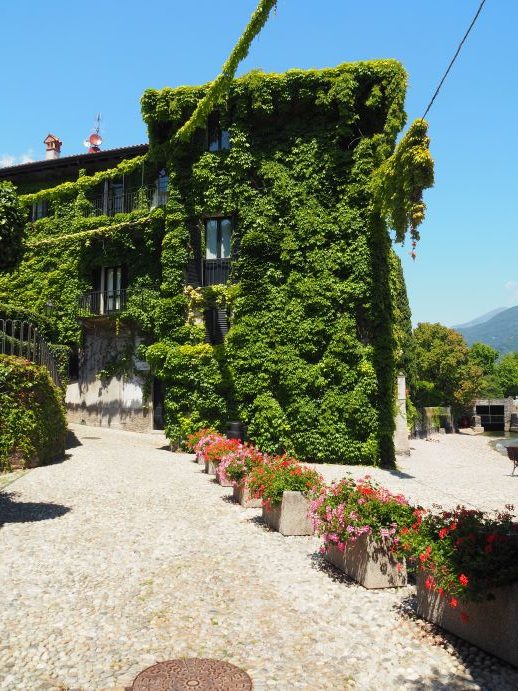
x=480, y=320
x=500, y=331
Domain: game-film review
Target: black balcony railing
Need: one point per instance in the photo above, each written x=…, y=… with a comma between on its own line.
x=106, y=302
x=124, y=201
x=99, y=302
x=216, y=271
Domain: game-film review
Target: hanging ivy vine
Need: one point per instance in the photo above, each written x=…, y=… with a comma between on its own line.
x=219, y=88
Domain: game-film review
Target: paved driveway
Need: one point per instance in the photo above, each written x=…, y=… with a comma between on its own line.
x=125, y=554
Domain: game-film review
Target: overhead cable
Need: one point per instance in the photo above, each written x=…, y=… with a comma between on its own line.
x=454, y=58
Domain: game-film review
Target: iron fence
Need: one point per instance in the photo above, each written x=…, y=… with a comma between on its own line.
x=216, y=271
x=124, y=201
x=106, y=302
x=22, y=339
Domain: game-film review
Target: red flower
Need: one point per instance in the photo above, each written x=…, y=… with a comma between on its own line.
x=453, y=602
x=463, y=580
x=429, y=583
x=443, y=532
x=453, y=526
x=440, y=591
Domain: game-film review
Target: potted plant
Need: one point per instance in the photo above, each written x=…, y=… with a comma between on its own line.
x=202, y=444
x=284, y=487
x=193, y=439
x=216, y=450
x=467, y=575
x=361, y=523
x=234, y=470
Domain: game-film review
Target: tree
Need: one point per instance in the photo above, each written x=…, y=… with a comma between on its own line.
x=484, y=356
x=11, y=226
x=446, y=375
x=506, y=374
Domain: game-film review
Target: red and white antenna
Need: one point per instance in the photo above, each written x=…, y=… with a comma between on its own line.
x=94, y=141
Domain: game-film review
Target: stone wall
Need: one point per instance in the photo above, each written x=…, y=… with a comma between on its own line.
x=115, y=401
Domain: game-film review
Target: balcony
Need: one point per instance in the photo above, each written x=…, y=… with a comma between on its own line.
x=102, y=302
x=215, y=271
x=121, y=202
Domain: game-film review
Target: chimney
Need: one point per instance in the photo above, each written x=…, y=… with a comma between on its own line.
x=53, y=147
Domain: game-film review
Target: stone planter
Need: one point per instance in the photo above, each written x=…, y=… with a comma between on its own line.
x=290, y=517
x=200, y=459
x=369, y=563
x=224, y=483
x=491, y=624
x=210, y=468
x=242, y=496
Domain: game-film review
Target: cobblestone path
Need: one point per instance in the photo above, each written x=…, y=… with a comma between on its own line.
x=125, y=554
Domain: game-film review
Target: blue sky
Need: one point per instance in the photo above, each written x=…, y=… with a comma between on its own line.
x=65, y=61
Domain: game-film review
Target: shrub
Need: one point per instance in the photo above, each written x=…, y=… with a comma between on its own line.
x=32, y=421
x=236, y=465
x=348, y=509
x=465, y=553
x=268, y=481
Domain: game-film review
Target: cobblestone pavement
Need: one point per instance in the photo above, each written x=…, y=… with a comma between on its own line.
x=126, y=554
x=447, y=470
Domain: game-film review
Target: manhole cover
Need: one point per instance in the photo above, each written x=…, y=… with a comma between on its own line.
x=192, y=674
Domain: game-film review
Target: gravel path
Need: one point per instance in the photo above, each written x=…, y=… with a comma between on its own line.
x=125, y=554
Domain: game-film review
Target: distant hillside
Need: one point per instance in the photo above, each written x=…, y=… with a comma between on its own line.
x=480, y=320
x=500, y=332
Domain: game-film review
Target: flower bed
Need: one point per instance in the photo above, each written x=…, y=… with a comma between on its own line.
x=235, y=466
x=193, y=439
x=361, y=523
x=466, y=553
x=467, y=578
x=202, y=444
x=278, y=474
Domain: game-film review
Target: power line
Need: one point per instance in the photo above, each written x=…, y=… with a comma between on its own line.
x=454, y=58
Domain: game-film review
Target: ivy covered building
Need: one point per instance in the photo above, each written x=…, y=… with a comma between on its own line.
x=247, y=273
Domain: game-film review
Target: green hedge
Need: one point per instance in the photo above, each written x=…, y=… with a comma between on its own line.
x=32, y=418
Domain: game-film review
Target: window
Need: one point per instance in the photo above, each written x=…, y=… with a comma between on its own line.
x=111, y=289
x=160, y=193
x=40, y=209
x=218, y=236
x=116, y=198
x=218, y=139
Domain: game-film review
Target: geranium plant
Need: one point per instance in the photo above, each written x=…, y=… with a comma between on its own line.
x=219, y=448
x=348, y=509
x=465, y=553
x=278, y=474
x=193, y=439
x=206, y=441
x=236, y=465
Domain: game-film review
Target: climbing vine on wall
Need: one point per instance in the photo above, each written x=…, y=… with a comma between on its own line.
x=11, y=226
x=319, y=318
